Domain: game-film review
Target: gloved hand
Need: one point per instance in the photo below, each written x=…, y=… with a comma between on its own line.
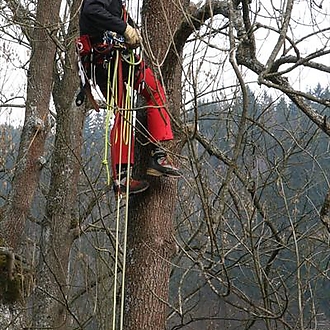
x=132, y=37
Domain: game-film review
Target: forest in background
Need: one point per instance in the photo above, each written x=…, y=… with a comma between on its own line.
x=268, y=227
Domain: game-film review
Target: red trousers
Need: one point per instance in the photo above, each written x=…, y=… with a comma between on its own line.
x=158, y=120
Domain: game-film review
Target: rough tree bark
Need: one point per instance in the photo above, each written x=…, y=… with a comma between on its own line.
x=31, y=150
x=150, y=244
x=30, y=157
x=59, y=228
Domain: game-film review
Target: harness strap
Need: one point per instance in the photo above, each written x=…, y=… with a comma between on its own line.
x=124, y=13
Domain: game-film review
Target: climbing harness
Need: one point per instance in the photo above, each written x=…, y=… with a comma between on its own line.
x=88, y=86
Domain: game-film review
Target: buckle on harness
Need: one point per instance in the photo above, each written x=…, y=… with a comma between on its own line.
x=115, y=39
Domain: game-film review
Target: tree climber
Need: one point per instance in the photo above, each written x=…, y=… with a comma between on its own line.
x=96, y=18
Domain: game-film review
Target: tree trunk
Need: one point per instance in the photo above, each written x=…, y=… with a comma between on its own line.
x=50, y=301
x=29, y=160
x=51, y=305
x=150, y=230
x=30, y=156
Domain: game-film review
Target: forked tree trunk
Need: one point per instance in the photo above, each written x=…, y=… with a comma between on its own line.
x=51, y=298
x=151, y=243
x=31, y=150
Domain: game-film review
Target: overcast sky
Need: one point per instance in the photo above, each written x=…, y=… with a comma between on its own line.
x=13, y=76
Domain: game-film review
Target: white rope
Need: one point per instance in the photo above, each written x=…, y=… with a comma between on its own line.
x=114, y=94
x=128, y=105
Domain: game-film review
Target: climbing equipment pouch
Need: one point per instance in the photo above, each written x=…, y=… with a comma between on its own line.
x=83, y=45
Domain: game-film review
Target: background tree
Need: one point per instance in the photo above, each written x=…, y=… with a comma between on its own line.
x=31, y=151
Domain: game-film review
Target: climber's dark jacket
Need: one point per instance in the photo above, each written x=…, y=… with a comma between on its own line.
x=98, y=16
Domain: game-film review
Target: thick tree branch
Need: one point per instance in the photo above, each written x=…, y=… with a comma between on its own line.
x=194, y=19
x=297, y=97
x=282, y=35
x=245, y=56
x=305, y=61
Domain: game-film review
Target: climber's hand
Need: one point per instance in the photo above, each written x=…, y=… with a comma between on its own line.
x=132, y=37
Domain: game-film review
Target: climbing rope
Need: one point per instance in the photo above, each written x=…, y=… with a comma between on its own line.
x=119, y=128
x=121, y=118
x=114, y=92
x=125, y=136
x=128, y=105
